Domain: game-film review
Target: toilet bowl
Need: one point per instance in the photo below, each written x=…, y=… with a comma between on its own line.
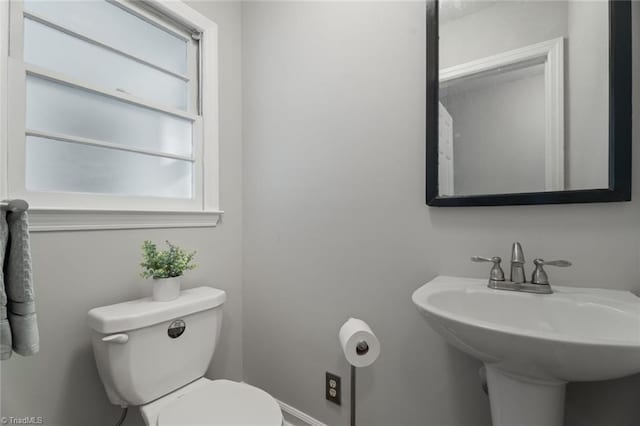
x=214, y=402
x=154, y=355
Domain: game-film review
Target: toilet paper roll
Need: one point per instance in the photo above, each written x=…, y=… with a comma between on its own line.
x=361, y=347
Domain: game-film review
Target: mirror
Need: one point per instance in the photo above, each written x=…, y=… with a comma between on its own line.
x=528, y=102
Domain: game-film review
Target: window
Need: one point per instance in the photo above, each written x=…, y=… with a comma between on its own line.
x=109, y=105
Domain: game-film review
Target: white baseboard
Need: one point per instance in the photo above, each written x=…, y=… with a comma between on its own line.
x=294, y=417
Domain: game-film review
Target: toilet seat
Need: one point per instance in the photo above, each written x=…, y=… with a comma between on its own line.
x=214, y=403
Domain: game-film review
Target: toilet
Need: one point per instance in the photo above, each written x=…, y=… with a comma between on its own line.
x=154, y=355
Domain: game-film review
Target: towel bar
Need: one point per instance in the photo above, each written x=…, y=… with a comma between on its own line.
x=14, y=205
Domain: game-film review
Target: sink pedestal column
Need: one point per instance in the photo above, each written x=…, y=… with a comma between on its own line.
x=520, y=401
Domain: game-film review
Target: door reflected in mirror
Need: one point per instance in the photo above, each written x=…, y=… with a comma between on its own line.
x=523, y=96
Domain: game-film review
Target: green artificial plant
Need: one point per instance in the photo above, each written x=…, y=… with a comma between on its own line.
x=165, y=263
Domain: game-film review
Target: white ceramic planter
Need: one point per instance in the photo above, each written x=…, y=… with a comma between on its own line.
x=165, y=289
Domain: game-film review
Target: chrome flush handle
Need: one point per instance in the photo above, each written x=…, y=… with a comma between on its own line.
x=116, y=338
x=540, y=276
x=496, y=273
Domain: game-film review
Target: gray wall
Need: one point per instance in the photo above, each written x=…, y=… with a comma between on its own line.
x=335, y=223
x=75, y=271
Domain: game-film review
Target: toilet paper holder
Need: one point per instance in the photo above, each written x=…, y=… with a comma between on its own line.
x=362, y=348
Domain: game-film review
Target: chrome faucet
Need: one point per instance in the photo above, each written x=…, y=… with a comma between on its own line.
x=517, y=281
x=517, y=264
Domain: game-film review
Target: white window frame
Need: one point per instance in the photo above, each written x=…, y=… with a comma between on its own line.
x=68, y=211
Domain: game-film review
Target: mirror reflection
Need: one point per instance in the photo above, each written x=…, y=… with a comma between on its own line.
x=524, y=89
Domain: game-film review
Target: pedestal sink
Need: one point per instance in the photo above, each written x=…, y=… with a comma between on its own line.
x=531, y=344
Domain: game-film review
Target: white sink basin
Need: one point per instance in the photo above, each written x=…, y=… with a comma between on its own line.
x=532, y=344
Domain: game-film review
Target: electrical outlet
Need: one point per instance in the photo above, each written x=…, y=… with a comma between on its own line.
x=333, y=388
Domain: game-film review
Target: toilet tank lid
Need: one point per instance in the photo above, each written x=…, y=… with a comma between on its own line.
x=144, y=312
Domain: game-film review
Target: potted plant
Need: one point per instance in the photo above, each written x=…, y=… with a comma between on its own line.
x=165, y=267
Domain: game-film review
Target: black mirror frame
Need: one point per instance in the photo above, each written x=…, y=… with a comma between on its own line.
x=620, y=110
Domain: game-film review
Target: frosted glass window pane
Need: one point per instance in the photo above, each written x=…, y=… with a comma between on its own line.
x=62, y=53
x=54, y=107
x=54, y=166
x=118, y=28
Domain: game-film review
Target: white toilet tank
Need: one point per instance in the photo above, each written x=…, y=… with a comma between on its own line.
x=146, y=349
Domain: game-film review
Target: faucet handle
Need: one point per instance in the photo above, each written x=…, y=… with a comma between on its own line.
x=561, y=263
x=496, y=273
x=494, y=259
x=539, y=275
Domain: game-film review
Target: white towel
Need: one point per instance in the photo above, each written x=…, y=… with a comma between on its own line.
x=5, y=329
x=19, y=286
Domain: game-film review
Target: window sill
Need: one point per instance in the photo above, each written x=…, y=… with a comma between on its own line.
x=55, y=220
